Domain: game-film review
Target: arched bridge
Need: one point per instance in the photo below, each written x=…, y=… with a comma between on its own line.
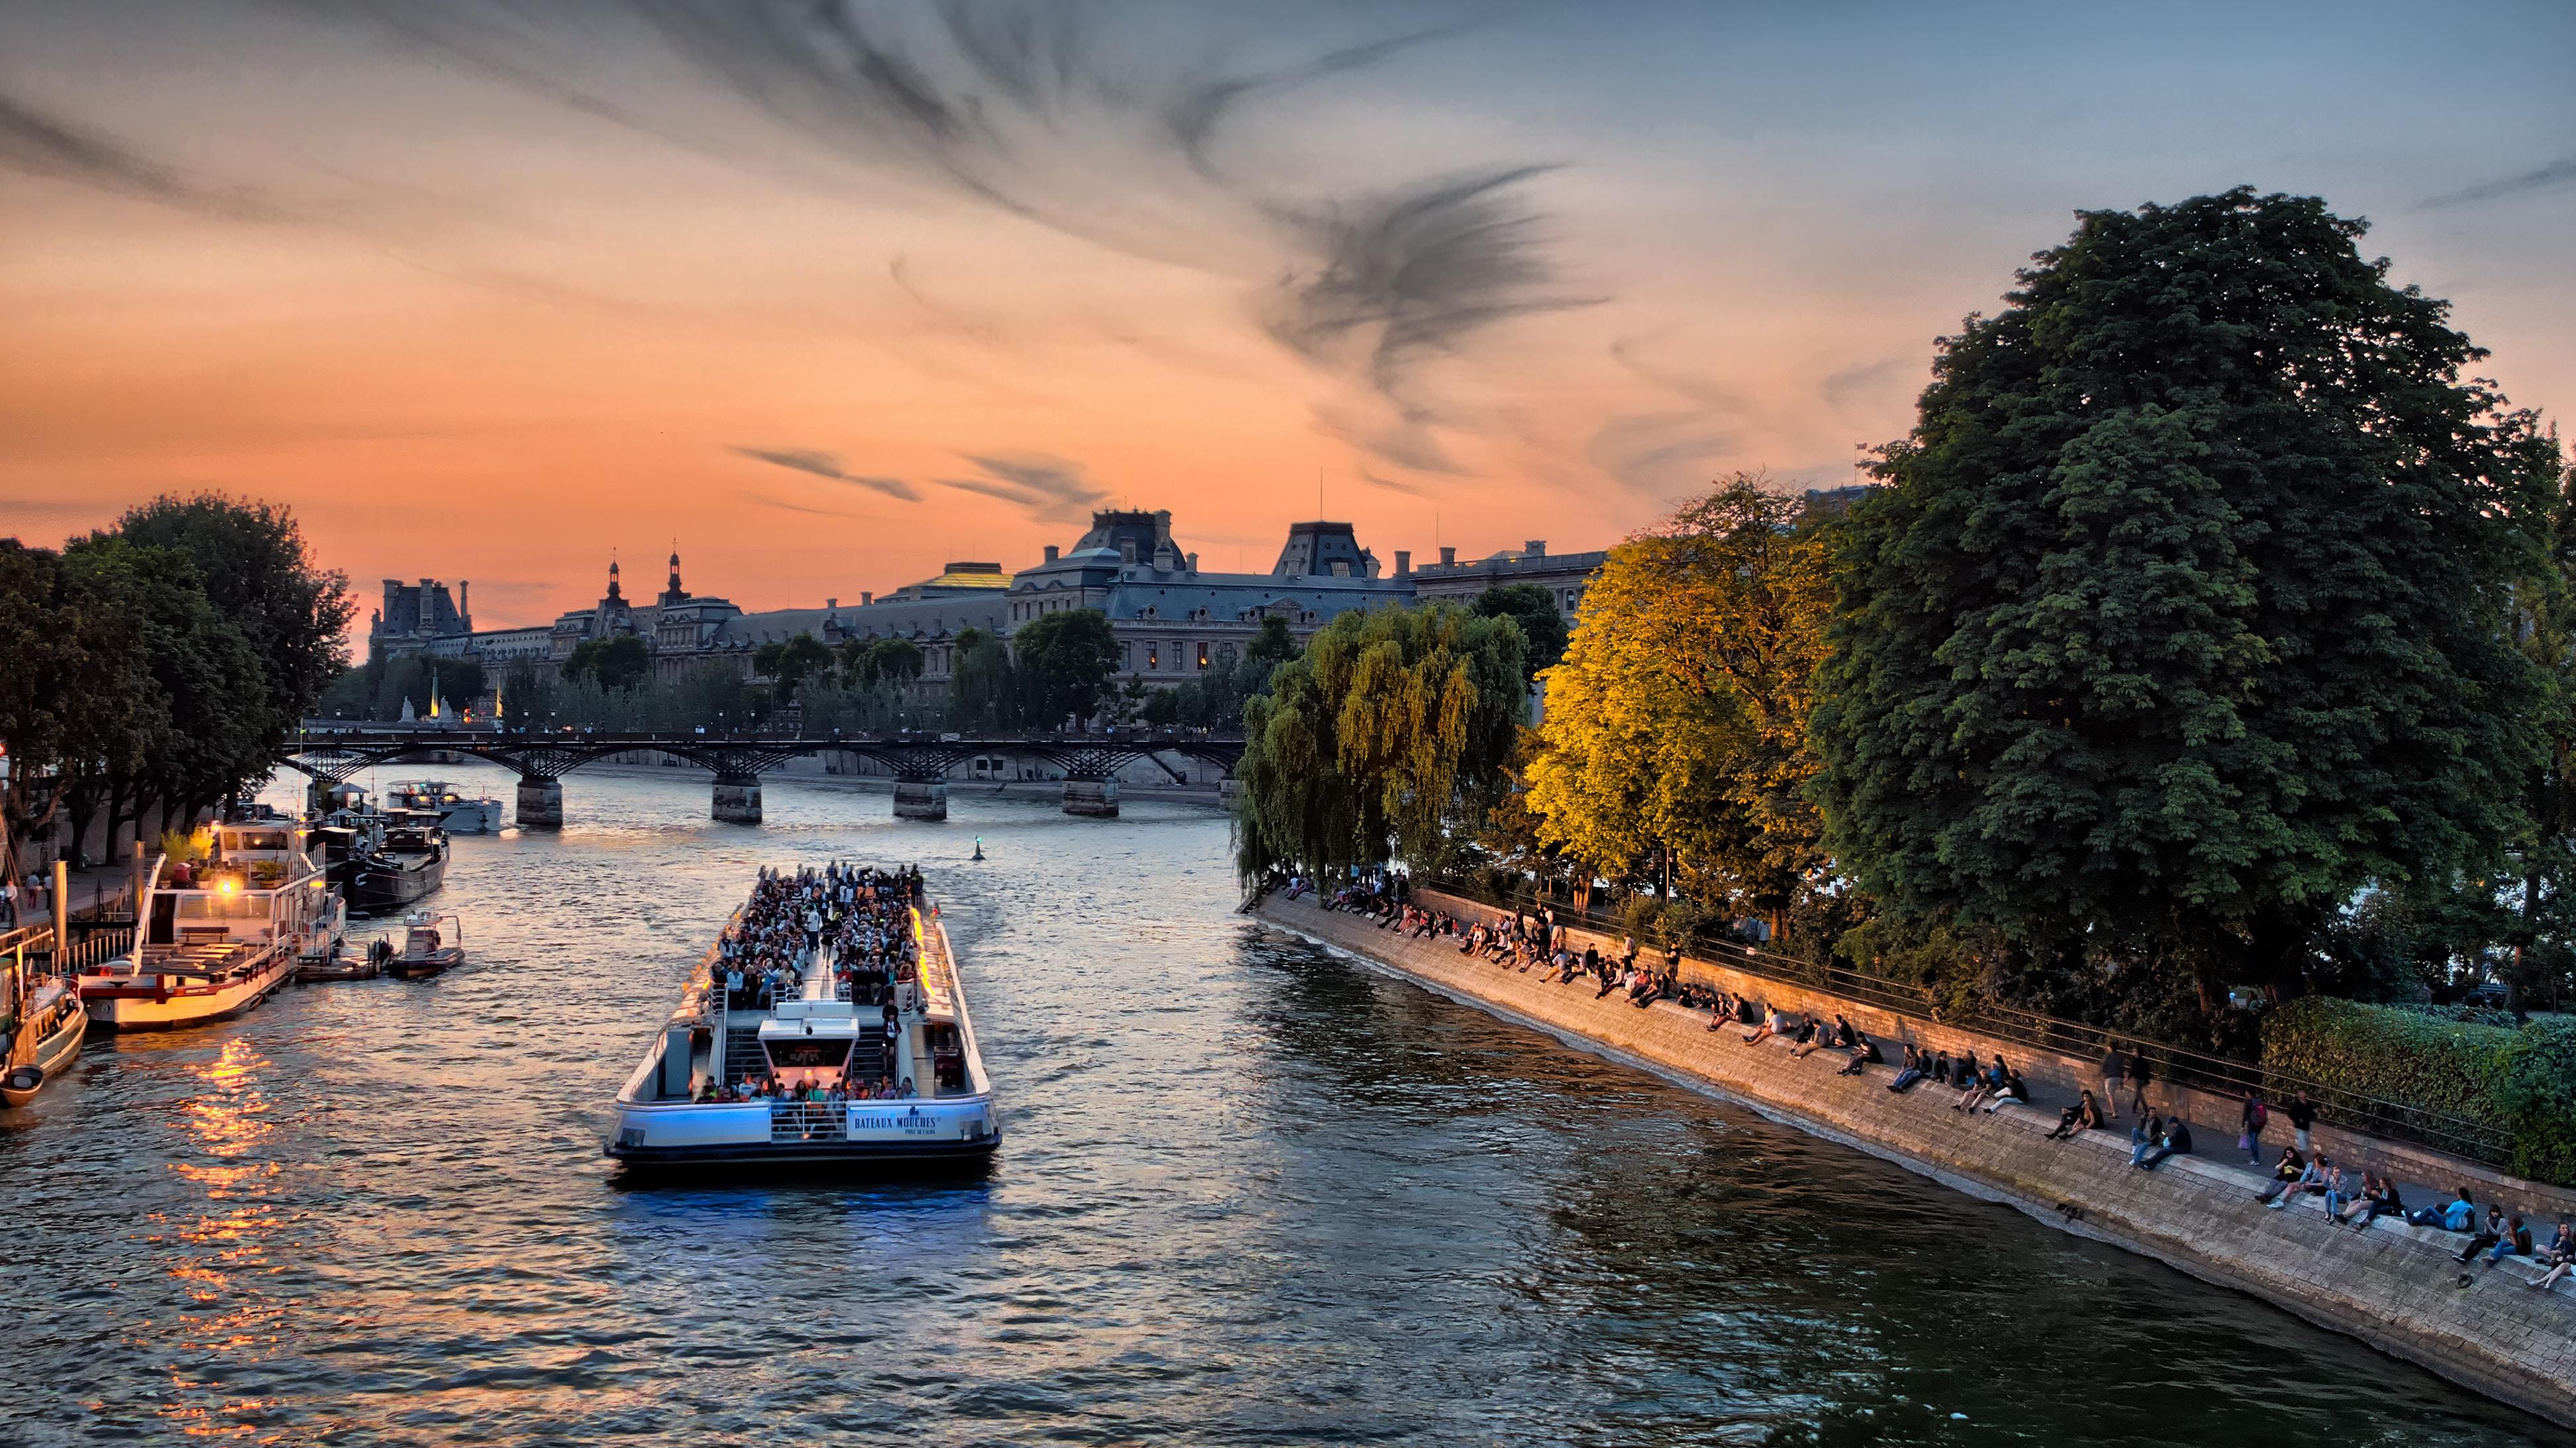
x=920, y=763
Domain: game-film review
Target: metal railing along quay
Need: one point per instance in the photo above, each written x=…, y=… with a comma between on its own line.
x=2347, y=1109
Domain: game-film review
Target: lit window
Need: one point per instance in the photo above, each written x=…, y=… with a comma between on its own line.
x=1153, y=656
x=1203, y=657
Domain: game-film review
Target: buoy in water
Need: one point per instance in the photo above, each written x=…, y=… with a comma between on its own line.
x=979, y=847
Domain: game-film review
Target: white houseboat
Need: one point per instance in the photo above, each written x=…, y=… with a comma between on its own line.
x=459, y=813
x=834, y=1096
x=220, y=934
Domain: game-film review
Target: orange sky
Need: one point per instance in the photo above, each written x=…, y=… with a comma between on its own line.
x=488, y=291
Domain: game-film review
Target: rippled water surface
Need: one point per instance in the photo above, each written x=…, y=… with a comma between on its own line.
x=1250, y=1193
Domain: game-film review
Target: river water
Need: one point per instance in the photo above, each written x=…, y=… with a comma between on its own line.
x=1249, y=1193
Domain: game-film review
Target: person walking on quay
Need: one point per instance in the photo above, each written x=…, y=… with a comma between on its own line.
x=2140, y=1075
x=2114, y=1067
x=2303, y=1115
x=2253, y=1118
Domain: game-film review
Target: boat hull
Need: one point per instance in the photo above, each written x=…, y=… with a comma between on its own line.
x=386, y=883
x=127, y=1005
x=473, y=817
x=20, y=1085
x=415, y=967
x=862, y=1135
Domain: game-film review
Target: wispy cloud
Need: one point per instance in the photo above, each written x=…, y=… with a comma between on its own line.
x=1119, y=127
x=2561, y=172
x=828, y=465
x=1048, y=489
x=39, y=144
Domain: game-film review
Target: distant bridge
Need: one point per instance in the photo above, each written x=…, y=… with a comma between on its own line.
x=920, y=762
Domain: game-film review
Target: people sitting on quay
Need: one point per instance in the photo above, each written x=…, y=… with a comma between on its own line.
x=2172, y=1139
x=1916, y=1068
x=2290, y=1172
x=2378, y=1198
x=1862, y=1049
x=2084, y=1115
x=2559, y=1257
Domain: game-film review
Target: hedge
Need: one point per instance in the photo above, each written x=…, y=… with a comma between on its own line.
x=2520, y=1081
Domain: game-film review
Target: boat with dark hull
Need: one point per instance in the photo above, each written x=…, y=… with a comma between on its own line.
x=409, y=862
x=432, y=945
x=853, y=1070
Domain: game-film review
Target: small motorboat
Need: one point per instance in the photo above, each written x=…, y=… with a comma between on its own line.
x=53, y=1027
x=432, y=945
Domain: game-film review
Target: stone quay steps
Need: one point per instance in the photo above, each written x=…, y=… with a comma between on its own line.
x=2393, y=1286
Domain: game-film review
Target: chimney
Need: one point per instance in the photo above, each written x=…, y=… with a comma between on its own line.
x=1536, y=548
x=464, y=609
x=831, y=603
x=1127, y=551
x=1050, y=553
x=866, y=598
x=1448, y=557
x=1194, y=562
x=1403, y=563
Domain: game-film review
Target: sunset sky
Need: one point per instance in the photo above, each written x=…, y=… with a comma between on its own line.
x=830, y=295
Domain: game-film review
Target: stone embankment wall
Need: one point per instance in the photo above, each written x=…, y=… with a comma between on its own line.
x=2393, y=1286
x=2056, y=1078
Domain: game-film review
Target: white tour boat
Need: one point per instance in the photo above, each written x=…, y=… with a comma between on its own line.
x=837, y=1094
x=218, y=936
x=459, y=813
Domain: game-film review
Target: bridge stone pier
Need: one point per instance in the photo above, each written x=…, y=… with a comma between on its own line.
x=920, y=799
x=540, y=804
x=1097, y=798
x=737, y=801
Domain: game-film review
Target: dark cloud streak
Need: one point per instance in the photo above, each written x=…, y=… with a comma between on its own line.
x=37, y=144
x=828, y=465
x=2561, y=172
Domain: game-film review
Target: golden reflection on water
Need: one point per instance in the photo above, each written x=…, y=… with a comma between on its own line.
x=219, y=1255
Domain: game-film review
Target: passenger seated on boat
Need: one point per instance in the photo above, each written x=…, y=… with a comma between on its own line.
x=906, y=1090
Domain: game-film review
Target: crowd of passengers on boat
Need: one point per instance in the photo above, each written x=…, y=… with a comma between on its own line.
x=863, y=917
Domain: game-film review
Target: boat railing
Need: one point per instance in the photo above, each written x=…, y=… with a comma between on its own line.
x=808, y=1121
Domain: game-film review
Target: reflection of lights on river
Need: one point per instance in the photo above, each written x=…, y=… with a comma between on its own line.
x=228, y=1112
x=219, y=1259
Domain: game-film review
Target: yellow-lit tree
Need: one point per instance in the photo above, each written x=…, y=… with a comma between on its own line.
x=1676, y=730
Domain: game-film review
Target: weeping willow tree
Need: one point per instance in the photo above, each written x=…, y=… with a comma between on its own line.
x=1385, y=740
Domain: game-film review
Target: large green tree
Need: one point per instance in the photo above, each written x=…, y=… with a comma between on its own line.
x=1065, y=661
x=1386, y=739
x=2184, y=612
x=1535, y=610
x=261, y=578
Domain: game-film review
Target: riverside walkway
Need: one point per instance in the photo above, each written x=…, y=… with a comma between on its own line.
x=2391, y=1284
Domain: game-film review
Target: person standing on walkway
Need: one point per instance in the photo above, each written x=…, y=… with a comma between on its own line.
x=2140, y=1075
x=2253, y=1118
x=2114, y=1067
x=2303, y=1115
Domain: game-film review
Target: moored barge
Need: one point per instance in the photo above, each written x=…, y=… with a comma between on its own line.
x=217, y=937
x=825, y=1028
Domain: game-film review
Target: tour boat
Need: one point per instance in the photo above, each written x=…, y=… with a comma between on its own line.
x=48, y=1033
x=432, y=945
x=218, y=936
x=410, y=863
x=458, y=814
x=815, y=1038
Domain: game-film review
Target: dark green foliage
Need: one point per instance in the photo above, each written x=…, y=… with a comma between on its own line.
x=1534, y=609
x=2520, y=1081
x=788, y=665
x=1065, y=661
x=869, y=662
x=984, y=686
x=258, y=576
x=621, y=662
x=2184, y=614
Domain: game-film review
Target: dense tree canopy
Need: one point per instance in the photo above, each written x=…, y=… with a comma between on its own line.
x=155, y=666
x=621, y=662
x=2184, y=613
x=1535, y=610
x=789, y=664
x=1387, y=738
x=1065, y=661
x=1678, y=720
